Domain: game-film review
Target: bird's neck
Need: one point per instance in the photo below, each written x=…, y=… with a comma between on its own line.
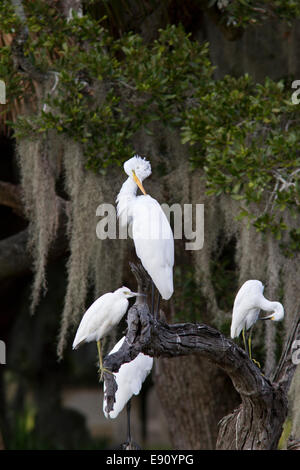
x=267, y=305
x=125, y=196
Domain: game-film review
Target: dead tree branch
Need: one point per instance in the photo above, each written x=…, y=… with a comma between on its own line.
x=257, y=423
x=10, y=196
x=286, y=367
x=15, y=259
x=21, y=61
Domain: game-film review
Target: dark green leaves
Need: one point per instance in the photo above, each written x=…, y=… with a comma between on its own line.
x=245, y=136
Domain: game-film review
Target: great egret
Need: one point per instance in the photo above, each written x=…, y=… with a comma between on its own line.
x=247, y=305
x=101, y=317
x=151, y=231
x=129, y=378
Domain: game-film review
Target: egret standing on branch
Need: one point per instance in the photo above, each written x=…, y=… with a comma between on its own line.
x=151, y=231
x=101, y=317
x=247, y=305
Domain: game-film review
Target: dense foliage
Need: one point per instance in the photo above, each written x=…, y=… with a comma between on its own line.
x=102, y=91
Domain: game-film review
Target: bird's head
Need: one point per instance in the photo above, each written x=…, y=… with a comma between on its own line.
x=126, y=292
x=138, y=169
x=277, y=314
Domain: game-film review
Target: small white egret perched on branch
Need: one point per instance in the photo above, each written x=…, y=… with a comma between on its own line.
x=247, y=305
x=151, y=231
x=101, y=317
x=129, y=378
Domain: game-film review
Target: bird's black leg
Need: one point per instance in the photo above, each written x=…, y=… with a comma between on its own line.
x=128, y=408
x=154, y=311
x=157, y=306
x=244, y=340
x=152, y=297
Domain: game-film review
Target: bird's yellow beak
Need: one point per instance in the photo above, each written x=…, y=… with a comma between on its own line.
x=269, y=317
x=138, y=182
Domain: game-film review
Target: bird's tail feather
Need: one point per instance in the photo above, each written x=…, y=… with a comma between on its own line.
x=235, y=331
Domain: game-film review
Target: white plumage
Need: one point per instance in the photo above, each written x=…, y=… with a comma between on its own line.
x=129, y=378
x=102, y=316
x=247, y=305
x=151, y=231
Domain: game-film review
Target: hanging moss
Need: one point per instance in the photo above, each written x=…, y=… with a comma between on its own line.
x=92, y=261
x=38, y=182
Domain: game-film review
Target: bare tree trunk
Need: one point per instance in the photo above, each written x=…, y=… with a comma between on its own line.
x=209, y=393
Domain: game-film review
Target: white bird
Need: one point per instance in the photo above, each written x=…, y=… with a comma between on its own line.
x=100, y=318
x=129, y=378
x=151, y=231
x=246, y=308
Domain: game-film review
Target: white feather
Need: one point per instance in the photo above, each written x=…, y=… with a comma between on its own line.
x=247, y=305
x=102, y=316
x=151, y=231
x=129, y=378
x=154, y=243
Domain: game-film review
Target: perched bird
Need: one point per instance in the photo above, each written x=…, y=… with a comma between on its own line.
x=129, y=378
x=151, y=231
x=246, y=308
x=101, y=317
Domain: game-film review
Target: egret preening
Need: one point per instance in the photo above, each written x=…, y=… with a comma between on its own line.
x=101, y=317
x=151, y=231
x=129, y=378
x=247, y=305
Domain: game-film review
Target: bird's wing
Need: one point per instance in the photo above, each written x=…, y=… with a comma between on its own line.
x=248, y=294
x=140, y=369
x=129, y=378
x=245, y=303
x=95, y=316
x=154, y=242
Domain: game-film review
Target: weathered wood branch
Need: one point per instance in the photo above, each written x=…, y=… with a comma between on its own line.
x=285, y=370
x=257, y=423
x=293, y=444
x=21, y=61
x=10, y=196
x=15, y=258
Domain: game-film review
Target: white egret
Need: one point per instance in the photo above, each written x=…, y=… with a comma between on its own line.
x=246, y=308
x=151, y=231
x=129, y=378
x=101, y=317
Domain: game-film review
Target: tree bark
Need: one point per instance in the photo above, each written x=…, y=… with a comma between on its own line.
x=15, y=258
x=10, y=196
x=207, y=391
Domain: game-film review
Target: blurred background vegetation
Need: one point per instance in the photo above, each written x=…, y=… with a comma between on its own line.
x=201, y=88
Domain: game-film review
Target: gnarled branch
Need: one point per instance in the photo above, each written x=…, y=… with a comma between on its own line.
x=21, y=61
x=257, y=423
x=10, y=196
x=286, y=367
x=15, y=259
